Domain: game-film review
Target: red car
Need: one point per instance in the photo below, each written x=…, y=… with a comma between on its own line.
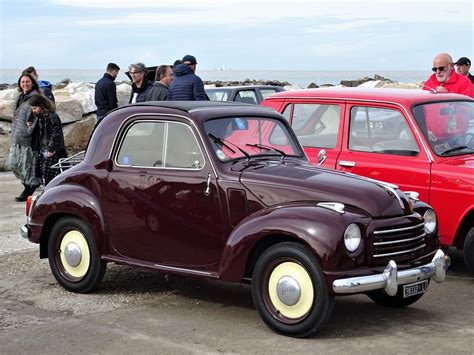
x=420, y=141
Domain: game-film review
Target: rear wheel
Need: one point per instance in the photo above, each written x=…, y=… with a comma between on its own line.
x=290, y=292
x=73, y=256
x=468, y=250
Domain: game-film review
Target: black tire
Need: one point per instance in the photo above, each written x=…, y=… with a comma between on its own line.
x=468, y=251
x=397, y=301
x=75, y=273
x=304, y=315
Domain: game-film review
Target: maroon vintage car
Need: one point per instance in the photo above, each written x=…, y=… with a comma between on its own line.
x=225, y=191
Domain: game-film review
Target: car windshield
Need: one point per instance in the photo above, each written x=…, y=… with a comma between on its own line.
x=246, y=137
x=447, y=126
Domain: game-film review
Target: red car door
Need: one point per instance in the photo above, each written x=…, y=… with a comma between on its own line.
x=380, y=143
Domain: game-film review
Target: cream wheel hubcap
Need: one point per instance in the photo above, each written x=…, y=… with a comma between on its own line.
x=74, y=254
x=291, y=290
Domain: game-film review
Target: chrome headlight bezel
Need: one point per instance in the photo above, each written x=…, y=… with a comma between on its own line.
x=352, y=237
x=431, y=222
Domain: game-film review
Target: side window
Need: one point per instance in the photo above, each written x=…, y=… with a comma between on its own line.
x=316, y=125
x=160, y=144
x=267, y=92
x=380, y=130
x=142, y=145
x=246, y=96
x=182, y=148
x=287, y=113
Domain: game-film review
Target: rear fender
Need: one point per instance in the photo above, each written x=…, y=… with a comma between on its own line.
x=66, y=200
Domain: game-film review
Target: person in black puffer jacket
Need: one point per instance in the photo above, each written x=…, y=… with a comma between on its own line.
x=186, y=85
x=49, y=140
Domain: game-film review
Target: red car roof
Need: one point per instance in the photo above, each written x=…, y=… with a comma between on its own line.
x=399, y=96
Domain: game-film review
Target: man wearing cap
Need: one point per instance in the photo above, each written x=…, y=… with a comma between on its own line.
x=445, y=79
x=186, y=85
x=462, y=67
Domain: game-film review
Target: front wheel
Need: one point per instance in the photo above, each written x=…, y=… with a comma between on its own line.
x=73, y=256
x=468, y=251
x=290, y=292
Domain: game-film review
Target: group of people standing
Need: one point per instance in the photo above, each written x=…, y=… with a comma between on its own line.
x=177, y=82
x=37, y=140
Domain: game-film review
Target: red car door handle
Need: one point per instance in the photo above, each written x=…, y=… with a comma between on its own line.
x=347, y=163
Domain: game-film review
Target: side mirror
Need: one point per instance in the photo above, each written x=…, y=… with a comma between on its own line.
x=321, y=156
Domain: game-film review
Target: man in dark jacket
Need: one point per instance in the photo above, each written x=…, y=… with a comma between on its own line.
x=106, y=91
x=186, y=85
x=141, y=85
x=160, y=88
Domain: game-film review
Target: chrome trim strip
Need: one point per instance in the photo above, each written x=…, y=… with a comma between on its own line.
x=333, y=206
x=391, y=278
x=401, y=240
x=188, y=271
x=399, y=252
x=400, y=229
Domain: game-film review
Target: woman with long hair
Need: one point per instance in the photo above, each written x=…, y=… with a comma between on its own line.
x=22, y=157
x=49, y=142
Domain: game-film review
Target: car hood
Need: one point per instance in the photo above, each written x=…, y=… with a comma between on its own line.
x=461, y=161
x=284, y=182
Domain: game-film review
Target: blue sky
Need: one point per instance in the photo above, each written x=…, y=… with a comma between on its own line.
x=240, y=34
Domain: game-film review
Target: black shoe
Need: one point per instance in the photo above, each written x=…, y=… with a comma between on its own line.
x=24, y=195
x=21, y=198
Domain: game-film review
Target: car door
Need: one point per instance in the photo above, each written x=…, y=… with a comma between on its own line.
x=380, y=144
x=163, y=204
x=318, y=126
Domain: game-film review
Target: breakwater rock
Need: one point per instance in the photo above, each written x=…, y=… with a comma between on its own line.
x=76, y=108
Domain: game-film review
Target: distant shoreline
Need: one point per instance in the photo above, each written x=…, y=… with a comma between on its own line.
x=294, y=77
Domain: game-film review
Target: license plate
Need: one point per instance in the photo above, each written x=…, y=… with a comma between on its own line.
x=414, y=288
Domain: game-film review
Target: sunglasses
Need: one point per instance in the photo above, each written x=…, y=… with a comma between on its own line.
x=435, y=69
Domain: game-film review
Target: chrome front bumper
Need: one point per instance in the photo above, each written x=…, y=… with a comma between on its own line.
x=391, y=278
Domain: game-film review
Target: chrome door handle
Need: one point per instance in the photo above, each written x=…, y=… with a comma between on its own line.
x=347, y=163
x=207, y=191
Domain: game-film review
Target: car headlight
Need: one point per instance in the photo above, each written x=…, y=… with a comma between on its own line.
x=430, y=221
x=352, y=237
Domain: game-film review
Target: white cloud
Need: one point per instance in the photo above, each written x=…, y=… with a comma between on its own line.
x=248, y=12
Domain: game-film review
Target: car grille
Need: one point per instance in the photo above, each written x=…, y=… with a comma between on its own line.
x=399, y=244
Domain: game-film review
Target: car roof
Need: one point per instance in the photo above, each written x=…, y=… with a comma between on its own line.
x=200, y=109
x=238, y=87
x=369, y=94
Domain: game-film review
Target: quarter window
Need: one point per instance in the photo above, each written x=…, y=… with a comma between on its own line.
x=380, y=130
x=161, y=145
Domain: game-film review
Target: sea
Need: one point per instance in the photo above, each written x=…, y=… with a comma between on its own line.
x=295, y=77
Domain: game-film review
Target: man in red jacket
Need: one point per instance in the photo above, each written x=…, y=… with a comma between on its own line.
x=445, y=79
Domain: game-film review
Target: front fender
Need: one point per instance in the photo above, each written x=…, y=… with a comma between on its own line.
x=320, y=229
x=61, y=200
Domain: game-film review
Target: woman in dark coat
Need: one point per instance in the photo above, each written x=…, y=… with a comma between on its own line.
x=22, y=157
x=49, y=140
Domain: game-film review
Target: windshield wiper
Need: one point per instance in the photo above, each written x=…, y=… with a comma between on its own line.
x=225, y=143
x=262, y=146
x=461, y=147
